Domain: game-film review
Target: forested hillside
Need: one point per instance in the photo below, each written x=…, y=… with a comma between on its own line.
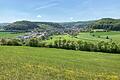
x=21, y=25
x=50, y=25
x=3, y=24
x=79, y=24
x=106, y=23
x=27, y=25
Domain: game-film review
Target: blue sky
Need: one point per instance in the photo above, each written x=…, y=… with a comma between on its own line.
x=58, y=10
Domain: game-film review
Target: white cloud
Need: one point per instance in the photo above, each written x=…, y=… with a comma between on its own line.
x=46, y=6
x=71, y=18
x=39, y=16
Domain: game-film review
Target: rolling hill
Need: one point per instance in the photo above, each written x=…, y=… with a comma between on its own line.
x=49, y=25
x=79, y=24
x=104, y=23
x=3, y=24
x=27, y=25
x=21, y=25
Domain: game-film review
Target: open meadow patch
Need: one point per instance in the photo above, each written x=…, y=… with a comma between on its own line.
x=28, y=63
x=10, y=34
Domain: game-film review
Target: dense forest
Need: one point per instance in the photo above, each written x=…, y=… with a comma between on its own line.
x=107, y=24
x=79, y=24
x=21, y=25
x=27, y=25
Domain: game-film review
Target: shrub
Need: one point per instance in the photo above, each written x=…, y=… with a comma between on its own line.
x=33, y=42
x=107, y=37
x=3, y=42
x=14, y=42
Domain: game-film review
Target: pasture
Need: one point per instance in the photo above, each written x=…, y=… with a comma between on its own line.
x=9, y=34
x=100, y=36
x=27, y=63
x=86, y=36
x=115, y=36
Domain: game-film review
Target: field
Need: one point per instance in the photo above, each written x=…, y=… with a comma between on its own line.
x=86, y=36
x=9, y=34
x=100, y=36
x=27, y=63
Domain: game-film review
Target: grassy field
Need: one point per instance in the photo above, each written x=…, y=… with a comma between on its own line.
x=9, y=34
x=57, y=37
x=115, y=36
x=27, y=63
x=86, y=36
x=100, y=36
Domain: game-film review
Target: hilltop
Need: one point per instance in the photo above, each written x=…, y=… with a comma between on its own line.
x=104, y=23
x=28, y=25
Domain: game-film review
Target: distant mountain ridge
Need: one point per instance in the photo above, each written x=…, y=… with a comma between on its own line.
x=3, y=24
x=104, y=23
x=79, y=24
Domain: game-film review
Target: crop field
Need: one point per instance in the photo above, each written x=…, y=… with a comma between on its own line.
x=9, y=34
x=28, y=63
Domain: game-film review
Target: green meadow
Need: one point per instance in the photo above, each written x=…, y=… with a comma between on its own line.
x=9, y=34
x=28, y=63
x=99, y=36
x=31, y=63
x=86, y=36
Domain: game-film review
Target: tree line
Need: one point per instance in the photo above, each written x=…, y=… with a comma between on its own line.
x=102, y=46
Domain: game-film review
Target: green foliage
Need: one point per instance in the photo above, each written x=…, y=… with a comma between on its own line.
x=33, y=42
x=3, y=41
x=107, y=37
x=109, y=47
x=11, y=42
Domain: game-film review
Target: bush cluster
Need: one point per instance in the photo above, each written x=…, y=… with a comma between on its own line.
x=11, y=42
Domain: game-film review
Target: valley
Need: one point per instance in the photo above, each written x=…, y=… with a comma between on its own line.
x=60, y=51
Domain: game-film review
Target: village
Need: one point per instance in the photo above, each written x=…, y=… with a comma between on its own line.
x=47, y=33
